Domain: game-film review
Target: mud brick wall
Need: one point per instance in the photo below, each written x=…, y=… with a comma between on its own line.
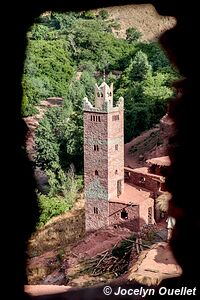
x=99, y=219
x=143, y=211
x=115, y=216
x=115, y=152
x=95, y=134
x=144, y=181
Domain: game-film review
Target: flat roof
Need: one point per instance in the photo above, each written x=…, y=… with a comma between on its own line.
x=160, y=161
x=132, y=194
x=142, y=170
x=145, y=171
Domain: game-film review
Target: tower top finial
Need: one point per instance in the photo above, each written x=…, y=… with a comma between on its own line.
x=104, y=76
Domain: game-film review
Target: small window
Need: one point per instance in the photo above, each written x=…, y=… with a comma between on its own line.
x=116, y=147
x=96, y=211
x=95, y=118
x=142, y=180
x=98, y=94
x=96, y=173
x=124, y=214
x=119, y=187
x=116, y=172
x=96, y=148
x=101, y=94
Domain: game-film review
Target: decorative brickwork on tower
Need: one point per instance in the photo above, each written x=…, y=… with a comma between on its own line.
x=103, y=155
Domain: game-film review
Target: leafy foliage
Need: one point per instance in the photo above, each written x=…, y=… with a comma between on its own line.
x=50, y=207
x=146, y=93
x=133, y=35
x=63, y=192
x=47, y=71
x=47, y=146
x=139, y=68
x=103, y=14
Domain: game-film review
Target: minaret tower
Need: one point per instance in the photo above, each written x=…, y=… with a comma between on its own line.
x=103, y=155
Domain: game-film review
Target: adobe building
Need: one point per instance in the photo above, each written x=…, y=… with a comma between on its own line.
x=150, y=178
x=109, y=199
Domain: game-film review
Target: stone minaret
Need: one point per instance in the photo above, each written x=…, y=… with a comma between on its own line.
x=103, y=155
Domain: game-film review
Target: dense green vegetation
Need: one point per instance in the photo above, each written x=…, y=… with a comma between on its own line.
x=60, y=46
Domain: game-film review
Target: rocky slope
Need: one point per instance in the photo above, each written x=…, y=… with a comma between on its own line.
x=143, y=17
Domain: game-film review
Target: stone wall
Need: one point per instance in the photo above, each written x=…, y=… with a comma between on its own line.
x=96, y=214
x=143, y=211
x=144, y=181
x=115, y=152
x=95, y=134
x=158, y=170
x=115, y=215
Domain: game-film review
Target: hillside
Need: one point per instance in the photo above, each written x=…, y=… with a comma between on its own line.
x=60, y=251
x=150, y=143
x=104, y=255
x=143, y=17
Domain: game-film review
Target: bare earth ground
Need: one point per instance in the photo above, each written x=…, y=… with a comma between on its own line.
x=143, y=147
x=152, y=266
x=63, y=266
x=142, y=17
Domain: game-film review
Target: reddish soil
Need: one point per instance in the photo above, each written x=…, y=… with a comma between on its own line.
x=99, y=241
x=145, y=145
x=154, y=265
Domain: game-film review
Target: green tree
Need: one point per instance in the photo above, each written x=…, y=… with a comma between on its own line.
x=156, y=55
x=50, y=207
x=133, y=35
x=42, y=32
x=88, y=66
x=146, y=94
x=140, y=67
x=103, y=13
x=47, y=71
x=75, y=95
x=64, y=128
x=88, y=82
x=47, y=147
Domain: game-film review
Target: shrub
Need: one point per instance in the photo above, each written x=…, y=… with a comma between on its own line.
x=51, y=207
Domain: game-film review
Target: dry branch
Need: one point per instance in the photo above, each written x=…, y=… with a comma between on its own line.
x=136, y=242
